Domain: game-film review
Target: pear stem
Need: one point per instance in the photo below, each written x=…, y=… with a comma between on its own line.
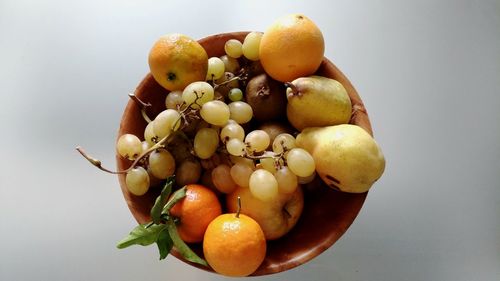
x=295, y=90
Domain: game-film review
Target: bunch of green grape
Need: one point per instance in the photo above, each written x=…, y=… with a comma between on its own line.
x=200, y=136
x=266, y=172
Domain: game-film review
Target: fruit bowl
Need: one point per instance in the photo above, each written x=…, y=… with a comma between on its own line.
x=327, y=213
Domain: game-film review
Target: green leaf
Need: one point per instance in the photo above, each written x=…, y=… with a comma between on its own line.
x=160, y=201
x=142, y=235
x=184, y=249
x=176, y=197
x=164, y=243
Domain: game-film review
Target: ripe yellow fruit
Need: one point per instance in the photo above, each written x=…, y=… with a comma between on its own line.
x=292, y=47
x=234, y=246
x=176, y=60
x=347, y=157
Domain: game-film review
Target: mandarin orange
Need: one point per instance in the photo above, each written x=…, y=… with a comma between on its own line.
x=292, y=47
x=195, y=212
x=176, y=60
x=234, y=245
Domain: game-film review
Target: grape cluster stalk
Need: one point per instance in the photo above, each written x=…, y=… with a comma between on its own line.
x=205, y=135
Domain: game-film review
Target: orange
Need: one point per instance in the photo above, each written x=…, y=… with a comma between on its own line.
x=234, y=246
x=176, y=60
x=195, y=212
x=292, y=47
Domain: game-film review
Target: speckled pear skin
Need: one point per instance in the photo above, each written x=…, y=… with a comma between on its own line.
x=347, y=158
x=317, y=101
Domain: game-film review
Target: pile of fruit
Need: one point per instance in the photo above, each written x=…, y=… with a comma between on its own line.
x=238, y=137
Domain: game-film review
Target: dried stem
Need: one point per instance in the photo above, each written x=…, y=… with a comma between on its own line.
x=239, y=207
x=238, y=77
x=158, y=145
x=295, y=90
x=187, y=114
x=94, y=161
x=142, y=105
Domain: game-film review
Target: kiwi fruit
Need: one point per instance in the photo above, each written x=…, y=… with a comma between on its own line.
x=267, y=97
x=273, y=129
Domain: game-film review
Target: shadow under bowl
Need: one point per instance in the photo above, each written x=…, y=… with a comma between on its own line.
x=327, y=213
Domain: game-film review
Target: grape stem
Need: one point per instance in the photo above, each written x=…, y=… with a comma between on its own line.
x=94, y=161
x=98, y=164
x=238, y=77
x=142, y=105
x=186, y=114
x=242, y=75
x=267, y=154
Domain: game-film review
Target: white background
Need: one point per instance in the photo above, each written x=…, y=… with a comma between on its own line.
x=428, y=72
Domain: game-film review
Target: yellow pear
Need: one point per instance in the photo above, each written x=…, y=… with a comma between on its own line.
x=317, y=101
x=347, y=157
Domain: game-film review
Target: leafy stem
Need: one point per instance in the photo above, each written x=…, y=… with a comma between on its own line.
x=182, y=247
x=157, y=209
x=162, y=230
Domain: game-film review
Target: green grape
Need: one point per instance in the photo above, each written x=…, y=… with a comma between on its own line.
x=230, y=64
x=232, y=130
x=210, y=163
x=137, y=181
x=283, y=142
x=181, y=149
x=263, y=185
x=308, y=179
x=257, y=140
x=242, y=160
x=145, y=145
x=251, y=45
x=235, y=147
x=197, y=93
x=161, y=163
x=188, y=172
x=300, y=162
x=215, y=68
x=153, y=181
x=174, y=100
x=226, y=83
x=221, y=178
x=215, y=112
x=205, y=143
x=233, y=48
x=235, y=94
x=167, y=121
x=240, y=111
x=287, y=180
x=268, y=164
x=240, y=173
x=129, y=146
x=149, y=134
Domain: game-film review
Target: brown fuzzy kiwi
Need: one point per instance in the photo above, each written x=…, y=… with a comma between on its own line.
x=273, y=129
x=267, y=97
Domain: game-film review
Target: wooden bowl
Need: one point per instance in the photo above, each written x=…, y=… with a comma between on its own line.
x=327, y=213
